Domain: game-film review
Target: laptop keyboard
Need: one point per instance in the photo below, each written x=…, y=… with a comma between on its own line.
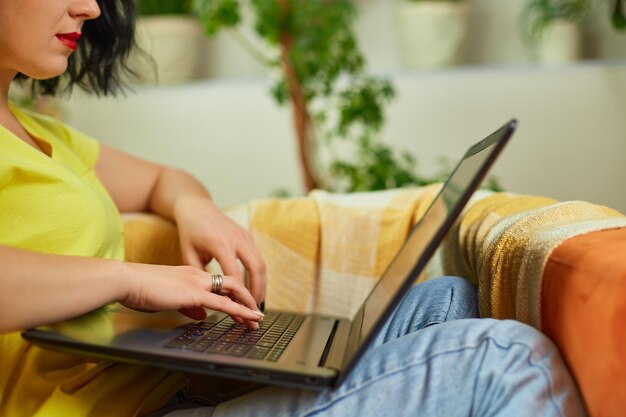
x=227, y=337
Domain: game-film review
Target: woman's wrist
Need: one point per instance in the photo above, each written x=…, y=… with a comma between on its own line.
x=123, y=280
x=174, y=188
x=185, y=204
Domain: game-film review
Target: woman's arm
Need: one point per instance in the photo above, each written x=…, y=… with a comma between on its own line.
x=38, y=288
x=205, y=232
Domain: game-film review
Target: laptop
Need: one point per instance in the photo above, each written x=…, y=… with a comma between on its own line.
x=290, y=349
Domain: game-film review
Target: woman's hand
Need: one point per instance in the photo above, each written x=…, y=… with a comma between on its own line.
x=187, y=289
x=205, y=233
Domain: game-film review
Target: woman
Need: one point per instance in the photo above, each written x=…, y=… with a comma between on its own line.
x=61, y=251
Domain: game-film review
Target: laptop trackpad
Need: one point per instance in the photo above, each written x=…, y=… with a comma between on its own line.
x=307, y=347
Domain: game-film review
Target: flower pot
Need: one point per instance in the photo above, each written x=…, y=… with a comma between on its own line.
x=432, y=33
x=560, y=43
x=173, y=44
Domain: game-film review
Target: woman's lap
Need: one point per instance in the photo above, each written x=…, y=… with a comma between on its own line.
x=430, y=360
x=464, y=367
x=431, y=302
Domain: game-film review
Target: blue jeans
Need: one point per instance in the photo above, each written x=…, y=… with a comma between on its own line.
x=433, y=359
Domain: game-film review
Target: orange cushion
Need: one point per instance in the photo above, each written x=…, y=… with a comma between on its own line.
x=584, y=312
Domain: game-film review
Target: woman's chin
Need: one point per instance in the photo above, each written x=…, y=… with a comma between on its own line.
x=50, y=71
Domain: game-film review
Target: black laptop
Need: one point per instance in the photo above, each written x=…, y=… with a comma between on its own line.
x=291, y=349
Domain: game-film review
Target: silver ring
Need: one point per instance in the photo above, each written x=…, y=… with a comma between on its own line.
x=216, y=286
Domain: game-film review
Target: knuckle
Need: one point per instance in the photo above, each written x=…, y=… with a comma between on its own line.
x=260, y=267
x=222, y=249
x=235, y=270
x=239, y=289
x=236, y=283
x=257, y=267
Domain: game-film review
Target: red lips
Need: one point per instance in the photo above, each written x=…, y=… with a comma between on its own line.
x=69, y=39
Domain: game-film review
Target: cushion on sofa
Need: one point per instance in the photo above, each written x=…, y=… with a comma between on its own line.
x=584, y=313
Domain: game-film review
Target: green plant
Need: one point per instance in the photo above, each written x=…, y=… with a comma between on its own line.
x=322, y=75
x=618, y=15
x=160, y=7
x=538, y=15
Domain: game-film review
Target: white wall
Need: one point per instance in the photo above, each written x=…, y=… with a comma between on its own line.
x=571, y=142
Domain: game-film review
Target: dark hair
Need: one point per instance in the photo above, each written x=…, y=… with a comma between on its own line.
x=104, y=46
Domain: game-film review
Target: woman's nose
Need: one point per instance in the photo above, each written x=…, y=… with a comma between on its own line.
x=86, y=9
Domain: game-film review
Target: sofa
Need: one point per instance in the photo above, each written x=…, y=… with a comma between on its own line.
x=559, y=266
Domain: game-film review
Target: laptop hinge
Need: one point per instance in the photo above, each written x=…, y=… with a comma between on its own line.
x=347, y=333
x=329, y=343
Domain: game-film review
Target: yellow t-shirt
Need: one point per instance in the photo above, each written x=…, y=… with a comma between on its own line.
x=54, y=203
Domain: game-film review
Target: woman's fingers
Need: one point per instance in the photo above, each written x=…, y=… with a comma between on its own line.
x=232, y=289
x=235, y=287
x=253, y=262
x=238, y=291
x=230, y=267
x=246, y=252
x=228, y=306
x=240, y=294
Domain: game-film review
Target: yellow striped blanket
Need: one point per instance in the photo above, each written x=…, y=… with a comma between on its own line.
x=324, y=252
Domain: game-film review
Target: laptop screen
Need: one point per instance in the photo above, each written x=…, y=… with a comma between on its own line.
x=448, y=202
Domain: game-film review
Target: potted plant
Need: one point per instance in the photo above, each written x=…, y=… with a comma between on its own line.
x=321, y=75
x=170, y=41
x=337, y=108
x=552, y=28
x=432, y=32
